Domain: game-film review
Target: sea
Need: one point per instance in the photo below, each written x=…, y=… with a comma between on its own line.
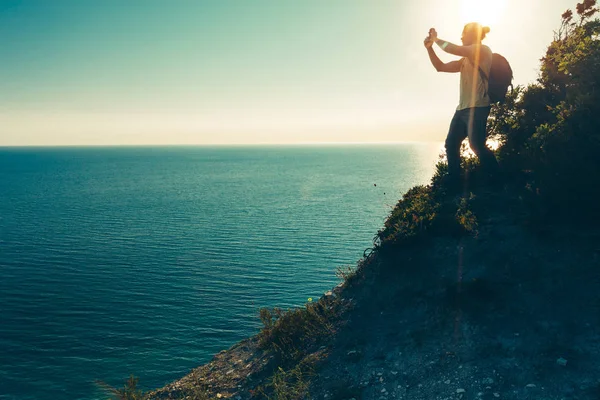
x=149, y=260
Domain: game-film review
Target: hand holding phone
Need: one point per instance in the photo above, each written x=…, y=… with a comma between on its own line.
x=432, y=34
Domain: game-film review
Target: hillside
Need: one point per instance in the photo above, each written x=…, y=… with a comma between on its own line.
x=506, y=311
x=493, y=292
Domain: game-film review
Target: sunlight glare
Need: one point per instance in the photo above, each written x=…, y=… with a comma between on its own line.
x=486, y=12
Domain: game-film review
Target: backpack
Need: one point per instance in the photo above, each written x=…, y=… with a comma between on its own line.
x=500, y=79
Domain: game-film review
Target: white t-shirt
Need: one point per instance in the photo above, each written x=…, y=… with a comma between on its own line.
x=473, y=89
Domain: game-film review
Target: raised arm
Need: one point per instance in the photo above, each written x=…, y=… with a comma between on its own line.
x=462, y=51
x=451, y=48
x=439, y=65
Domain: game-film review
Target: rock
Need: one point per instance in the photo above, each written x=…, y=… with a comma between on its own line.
x=338, y=288
x=383, y=390
x=328, y=293
x=354, y=355
x=394, y=372
x=447, y=381
x=531, y=386
x=460, y=391
x=488, y=381
x=562, y=362
x=379, y=374
x=496, y=394
x=219, y=395
x=381, y=379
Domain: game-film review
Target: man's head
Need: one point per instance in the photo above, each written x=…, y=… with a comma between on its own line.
x=473, y=33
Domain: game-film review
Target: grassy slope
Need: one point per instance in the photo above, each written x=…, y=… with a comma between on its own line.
x=460, y=292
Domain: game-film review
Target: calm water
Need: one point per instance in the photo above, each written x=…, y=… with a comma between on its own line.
x=150, y=260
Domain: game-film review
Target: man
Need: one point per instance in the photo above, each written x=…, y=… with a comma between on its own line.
x=470, y=118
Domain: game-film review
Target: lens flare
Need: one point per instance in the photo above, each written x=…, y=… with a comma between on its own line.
x=486, y=12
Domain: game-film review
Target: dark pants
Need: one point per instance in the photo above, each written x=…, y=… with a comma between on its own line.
x=471, y=123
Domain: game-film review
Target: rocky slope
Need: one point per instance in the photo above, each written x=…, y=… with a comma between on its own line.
x=498, y=306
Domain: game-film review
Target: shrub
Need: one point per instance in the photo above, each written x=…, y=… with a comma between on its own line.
x=292, y=333
x=129, y=391
x=551, y=129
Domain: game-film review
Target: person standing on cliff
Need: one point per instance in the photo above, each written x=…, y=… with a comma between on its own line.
x=470, y=118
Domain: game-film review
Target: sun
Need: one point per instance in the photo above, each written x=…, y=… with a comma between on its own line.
x=486, y=12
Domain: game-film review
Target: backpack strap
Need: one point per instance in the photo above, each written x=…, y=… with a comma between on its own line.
x=483, y=76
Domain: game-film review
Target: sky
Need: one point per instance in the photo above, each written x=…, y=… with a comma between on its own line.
x=135, y=72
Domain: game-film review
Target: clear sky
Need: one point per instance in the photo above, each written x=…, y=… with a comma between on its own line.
x=79, y=72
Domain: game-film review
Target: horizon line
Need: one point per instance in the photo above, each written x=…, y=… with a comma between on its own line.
x=219, y=144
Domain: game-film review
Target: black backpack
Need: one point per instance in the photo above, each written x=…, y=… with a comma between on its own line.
x=501, y=77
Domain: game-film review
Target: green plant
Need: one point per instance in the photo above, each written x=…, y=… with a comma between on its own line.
x=129, y=391
x=292, y=384
x=410, y=219
x=465, y=216
x=345, y=273
x=291, y=333
x=550, y=130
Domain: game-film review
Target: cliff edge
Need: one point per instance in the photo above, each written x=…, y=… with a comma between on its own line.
x=487, y=307
x=492, y=292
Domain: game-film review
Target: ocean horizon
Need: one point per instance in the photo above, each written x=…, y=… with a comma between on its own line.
x=148, y=260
